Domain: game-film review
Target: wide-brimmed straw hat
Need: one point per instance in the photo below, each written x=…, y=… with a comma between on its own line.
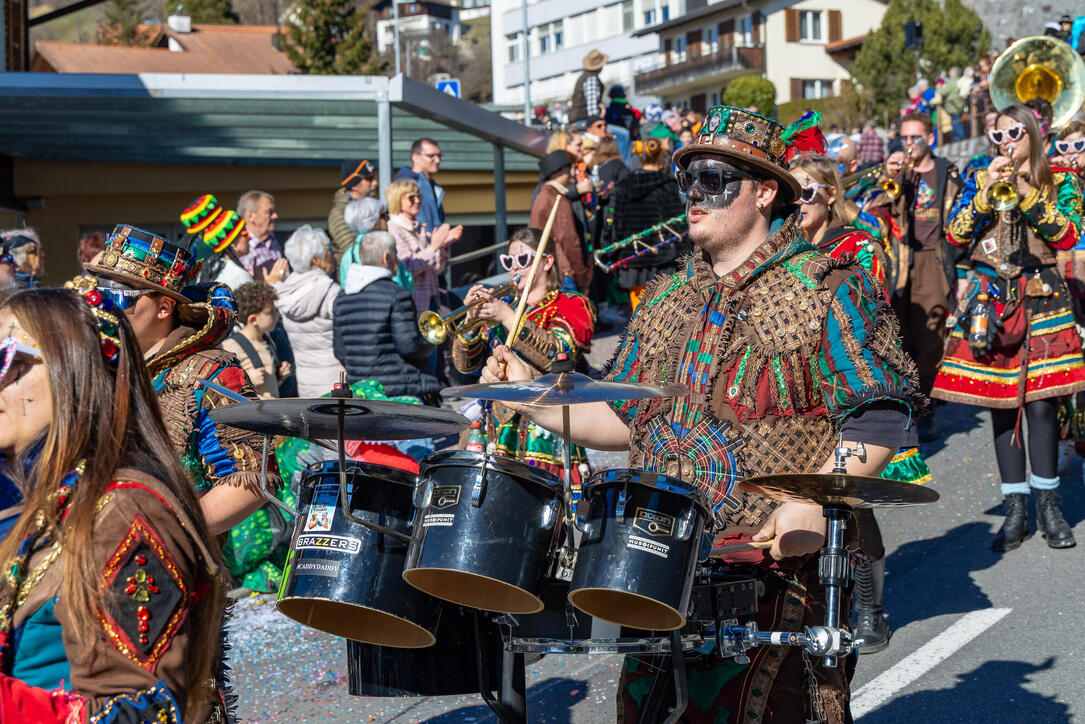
x=594, y=60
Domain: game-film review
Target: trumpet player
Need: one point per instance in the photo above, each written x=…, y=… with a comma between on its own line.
x=1014, y=345
x=555, y=321
x=925, y=265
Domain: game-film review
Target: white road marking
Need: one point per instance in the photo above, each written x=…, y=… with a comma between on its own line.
x=882, y=688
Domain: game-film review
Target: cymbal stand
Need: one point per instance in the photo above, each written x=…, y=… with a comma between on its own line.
x=828, y=641
x=339, y=393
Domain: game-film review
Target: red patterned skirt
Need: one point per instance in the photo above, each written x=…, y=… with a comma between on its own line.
x=1041, y=359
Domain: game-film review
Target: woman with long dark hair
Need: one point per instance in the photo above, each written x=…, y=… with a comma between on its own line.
x=111, y=599
x=1015, y=348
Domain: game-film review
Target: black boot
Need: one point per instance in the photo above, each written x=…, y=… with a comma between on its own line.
x=1015, y=530
x=1049, y=518
x=871, y=628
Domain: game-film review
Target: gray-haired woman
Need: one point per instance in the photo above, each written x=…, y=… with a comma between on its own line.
x=361, y=216
x=306, y=299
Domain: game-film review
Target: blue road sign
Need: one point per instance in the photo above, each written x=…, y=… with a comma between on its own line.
x=450, y=86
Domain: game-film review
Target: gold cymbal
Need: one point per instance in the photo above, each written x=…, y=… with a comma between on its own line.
x=839, y=489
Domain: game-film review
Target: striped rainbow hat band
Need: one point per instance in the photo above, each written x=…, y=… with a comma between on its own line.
x=201, y=213
x=224, y=230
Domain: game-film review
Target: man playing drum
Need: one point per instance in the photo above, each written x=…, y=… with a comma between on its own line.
x=787, y=352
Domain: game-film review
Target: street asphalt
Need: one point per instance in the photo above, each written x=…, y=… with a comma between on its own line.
x=979, y=637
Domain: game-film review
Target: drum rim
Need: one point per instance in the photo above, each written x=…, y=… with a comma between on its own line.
x=659, y=481
x=358, y=606
x=373, y=470
x=626, y=593
x=468, y=459
x=476, y=576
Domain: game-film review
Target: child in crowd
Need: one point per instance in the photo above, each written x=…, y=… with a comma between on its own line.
x=252, y=345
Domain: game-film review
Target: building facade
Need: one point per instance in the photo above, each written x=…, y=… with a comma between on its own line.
x=805, y=47
x=561, y=33
x=418, y=21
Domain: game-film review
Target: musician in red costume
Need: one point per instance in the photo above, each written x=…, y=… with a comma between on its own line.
x=555, y=321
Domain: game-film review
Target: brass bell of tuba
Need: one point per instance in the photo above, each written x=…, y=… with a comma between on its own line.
x=1039, y=66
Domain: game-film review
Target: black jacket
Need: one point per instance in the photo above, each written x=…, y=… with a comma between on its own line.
x=640, y=200
x=376, y=338
x=948, y=185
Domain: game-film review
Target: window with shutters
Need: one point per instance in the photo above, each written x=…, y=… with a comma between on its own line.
x=835, y=31
x=627, y=15
x=745, y=33
x=810, y=26
x=512, y=43
x=693, y=43
x=816, y=89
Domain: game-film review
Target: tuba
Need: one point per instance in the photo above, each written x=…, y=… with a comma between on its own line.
x=1040, y=66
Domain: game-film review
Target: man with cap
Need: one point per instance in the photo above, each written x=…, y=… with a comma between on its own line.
x=215, y=237
x=357, y=179
x=787, y=354
x=23, y=251
x=178, y=327
x=587, y=98
x=566, y=238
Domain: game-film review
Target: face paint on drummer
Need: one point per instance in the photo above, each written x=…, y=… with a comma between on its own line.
x=698, y=197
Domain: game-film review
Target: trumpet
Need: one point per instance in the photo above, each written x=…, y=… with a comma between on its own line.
x=435, y=329
x=891, y=186
x=1002, y=195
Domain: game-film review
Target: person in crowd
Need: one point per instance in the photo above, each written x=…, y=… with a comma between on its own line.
x=375, y=330
x=871, y=147
x=357, y=180
x=568, y=141
x=225, y=242
x=741, y=213
x=257, y=210
x=425, y=163
x=111, y=604
x=612, y=168
x=363, y=216
x=178, y=328
x=1069, y=148
x=9, y=282
x=424, y=255
x=640, y=200
x=982, y=160
x=89, y=246
x=952, y=103
x=667, y=129
x=1014, y=346
x=252, y=344
x=924, y=290
x=555, y=322
x=306, y=298
x=623, y=121
x=587, y=98
x=596, y=129
x=1064, y=30
x=555, y=172
x=26, y=255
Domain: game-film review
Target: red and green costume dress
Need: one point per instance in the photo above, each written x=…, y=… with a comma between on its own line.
x=1036, y=352
x=559, y=322
x=850, y=243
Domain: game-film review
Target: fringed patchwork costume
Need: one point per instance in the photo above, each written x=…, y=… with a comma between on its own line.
x=780, y=355
x=1036, y=351
x=133, y=667
x=559, y=322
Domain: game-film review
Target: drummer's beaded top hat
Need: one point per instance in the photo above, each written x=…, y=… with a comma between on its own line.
x=225, y=230
x=200, y=214
x=747, y=137
x=146, y=261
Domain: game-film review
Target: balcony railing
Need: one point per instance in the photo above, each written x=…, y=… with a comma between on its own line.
x=725, y=60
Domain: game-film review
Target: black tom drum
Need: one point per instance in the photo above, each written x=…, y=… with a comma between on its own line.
x=486, y=533
x=345, y=579
x=639, y=549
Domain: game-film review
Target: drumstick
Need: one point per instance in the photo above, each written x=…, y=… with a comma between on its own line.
x=753, y=545
x=539, y=253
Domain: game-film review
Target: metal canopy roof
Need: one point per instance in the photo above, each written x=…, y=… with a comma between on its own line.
x=247, y=119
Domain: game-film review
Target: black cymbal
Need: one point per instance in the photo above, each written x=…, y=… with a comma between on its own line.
x=853, y=491
x=564, y=388
x=317, y=418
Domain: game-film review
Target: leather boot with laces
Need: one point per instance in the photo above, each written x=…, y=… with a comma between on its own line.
x=1049, y=518
x=1015, y=530
x=871, y=628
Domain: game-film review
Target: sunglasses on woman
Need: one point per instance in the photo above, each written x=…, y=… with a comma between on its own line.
x=12, y=351
x=516, y=261
x=808, y=192
x=1013, y=133
x=1065, y=147
x=711, y=180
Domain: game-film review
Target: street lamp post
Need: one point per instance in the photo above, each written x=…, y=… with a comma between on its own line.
x=527, y=62
x=395, y=30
